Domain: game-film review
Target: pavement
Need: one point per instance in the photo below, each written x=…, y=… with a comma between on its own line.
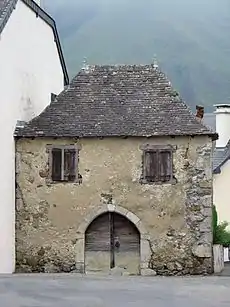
x=90, y=291
x=226, y=271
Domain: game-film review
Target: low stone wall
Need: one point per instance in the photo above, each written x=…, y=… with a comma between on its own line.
x=218, y=258
x=226, y=254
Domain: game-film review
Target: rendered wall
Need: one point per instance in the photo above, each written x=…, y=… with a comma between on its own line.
x=30, y=70
x=174, y=220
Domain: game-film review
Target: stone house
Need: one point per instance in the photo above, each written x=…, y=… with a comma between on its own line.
x=32, y=67
x=115, y=173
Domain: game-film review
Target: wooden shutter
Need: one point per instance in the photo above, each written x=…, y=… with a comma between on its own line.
x=69, y=164
x=165, y=165
x=151, y=166
x=56, y=164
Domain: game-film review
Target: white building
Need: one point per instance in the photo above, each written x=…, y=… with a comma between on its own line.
x=31, y=68
x=221, y=163
x=220, y=121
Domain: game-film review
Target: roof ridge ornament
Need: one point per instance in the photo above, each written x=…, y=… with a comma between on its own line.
x=85, y=65
x=155, y=62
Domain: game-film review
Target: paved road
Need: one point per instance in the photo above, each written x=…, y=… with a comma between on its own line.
x=75, y=291
x=226, y=271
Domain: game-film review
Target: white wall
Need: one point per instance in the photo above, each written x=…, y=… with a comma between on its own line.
x=218, y=257
x=226, y=254
x=30, y=70
x=222, y=124
x=221, y=193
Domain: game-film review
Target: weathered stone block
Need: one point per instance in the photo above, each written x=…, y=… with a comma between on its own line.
x=145, y=236
x=148, y=272
x=121, y=210
x=79, y=249
x=144, y=265
x=141, y=228
x=44, y=173
x=202, y=251
x=111, y=207
x=206, y=201
x=206, y=224
x=206, y=238
x=117, y=271
x=145, y=250
x=205, y=183
x=80, y=267
x=132, y=217
x=207, y=212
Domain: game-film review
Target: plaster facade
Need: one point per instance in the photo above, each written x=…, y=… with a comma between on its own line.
x=221, y=195
x=174, y=220
x=30, y=70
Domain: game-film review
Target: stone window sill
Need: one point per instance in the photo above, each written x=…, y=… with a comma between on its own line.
x=173, y=181
x=76, y=181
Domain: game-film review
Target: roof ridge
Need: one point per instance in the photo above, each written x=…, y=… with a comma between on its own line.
x=7, y=9
x=117, y=102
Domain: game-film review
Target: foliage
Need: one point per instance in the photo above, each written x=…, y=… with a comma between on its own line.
x=220, y=233
x=214, y=221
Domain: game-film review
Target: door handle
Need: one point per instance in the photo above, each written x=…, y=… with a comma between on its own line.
x=117, y=244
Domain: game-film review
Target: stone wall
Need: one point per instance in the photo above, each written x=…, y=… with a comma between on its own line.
x=177, y=217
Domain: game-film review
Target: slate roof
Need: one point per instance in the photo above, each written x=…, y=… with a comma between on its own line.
x=6, y=9
x=122, y=100
x=220, y=157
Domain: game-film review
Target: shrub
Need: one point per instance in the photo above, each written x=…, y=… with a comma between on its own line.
x=220, y=234
x=214, y=221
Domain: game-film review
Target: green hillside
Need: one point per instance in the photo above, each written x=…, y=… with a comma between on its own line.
x=190, y=38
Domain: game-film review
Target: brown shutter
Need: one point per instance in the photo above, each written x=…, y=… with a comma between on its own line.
x=151, y=166
x=69, y=164
x=56, y=164
x=165, y=164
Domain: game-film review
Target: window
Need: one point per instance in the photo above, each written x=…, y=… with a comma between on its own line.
x=157, y=164
x=63, y=163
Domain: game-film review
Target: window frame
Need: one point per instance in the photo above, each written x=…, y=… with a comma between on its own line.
x=158, y=149
x=49, y=150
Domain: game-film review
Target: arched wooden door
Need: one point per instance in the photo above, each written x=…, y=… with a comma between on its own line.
x=111, y=240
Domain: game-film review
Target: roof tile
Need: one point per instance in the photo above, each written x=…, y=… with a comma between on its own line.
x=122, y=100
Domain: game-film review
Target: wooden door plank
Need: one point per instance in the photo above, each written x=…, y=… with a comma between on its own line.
x=97, y=236
x=127, y=234
x=127, y=249
x=97, y=245
x=111, y=224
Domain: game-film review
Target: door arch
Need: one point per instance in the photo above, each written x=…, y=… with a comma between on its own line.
x=145, y=248
x=112, y=241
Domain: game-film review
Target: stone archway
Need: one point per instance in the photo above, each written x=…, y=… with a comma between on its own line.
x=145, y=250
